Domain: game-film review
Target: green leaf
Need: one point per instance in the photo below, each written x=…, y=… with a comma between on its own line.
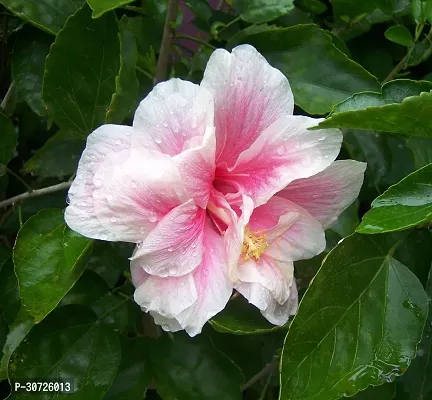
x=348, y=221
x=297, y=50
x=113, y=311
x=100, y=7
x=80, y=80
x=49, y=15
x=49, y=258
x=22, y=325
x=134, y=373
x=392, y=110
x=5, y=255
x=422, y=10
x=406, y=204
x=28, y=64
x=313, y=6
x=399, y=34
x=259, y=11
x=422, y=150
x=200, y=8
x=383, y=392
x=8, y=141
x=10, y=301
x=398, y=7
x=58, y=157
x=189, y=369
x=240, y=318
x=358, y=324
x=70, y=343
x=124, y=100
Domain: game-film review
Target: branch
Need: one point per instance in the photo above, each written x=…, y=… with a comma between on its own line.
x=164, y=53
x=7, y=97
x=267, y=369
x=396, y=70
x=35, y=193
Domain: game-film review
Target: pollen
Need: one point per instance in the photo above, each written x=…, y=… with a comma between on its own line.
x=254, y=245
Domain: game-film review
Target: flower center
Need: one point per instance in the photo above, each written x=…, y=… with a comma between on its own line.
x=254, y=245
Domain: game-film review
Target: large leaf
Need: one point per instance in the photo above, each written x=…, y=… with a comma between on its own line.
x=49, y=258
x=28, y=63
x=406, y=204
x=8, y=141
x=358, y=324
x=393, y=110
x=383, y=392
x=297, y=51
x=100, y=7
x=422, y=150
x=124, y=100
x=186, y=369
x=80, y=80
x=58, y=157
x=69, y=343
x=10, y=301
x=258, y=11
x=49, y=15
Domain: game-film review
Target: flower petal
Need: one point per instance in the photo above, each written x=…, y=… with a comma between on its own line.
x=106, y=141
x=285, y=151
x=175, y=245
x=249, y=96
x=326, y=194
x=174, y=112
x=278, y=314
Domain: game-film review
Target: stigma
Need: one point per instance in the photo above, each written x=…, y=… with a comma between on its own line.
x=254, y=245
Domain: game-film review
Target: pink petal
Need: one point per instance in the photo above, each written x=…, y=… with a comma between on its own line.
x=326, y=194
x=174, y=112
x=269, y=285
x=175, y=245
x=106, y=141
x=285, y=151
x=249, y=96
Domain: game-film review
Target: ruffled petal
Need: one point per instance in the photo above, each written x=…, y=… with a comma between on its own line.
x=172, y=114
x=278, y=314
x=326, y=194
x=175, y=245
x=285, y=151
x=249, y=96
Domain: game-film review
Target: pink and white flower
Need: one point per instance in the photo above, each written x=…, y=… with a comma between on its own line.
x=220, y=187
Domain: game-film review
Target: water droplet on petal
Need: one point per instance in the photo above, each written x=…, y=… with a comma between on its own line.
x=212, y=250
x=158, y=140
x=118, y=142
x=326, y=157
x=134, y=184
x=113, y=219
x=68, y=201
x=104, y=236
x=175, y=128
x=280, y=150
x=165, y=124
x=297, y=145
x=166, y=328
x=152, y=218
x=142, y=230
x=170, y=249
x=128, y=133
x=109, y=197
x=316, y=196
x=172, y=270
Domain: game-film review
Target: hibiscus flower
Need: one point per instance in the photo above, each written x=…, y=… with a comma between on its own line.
x=219, y=186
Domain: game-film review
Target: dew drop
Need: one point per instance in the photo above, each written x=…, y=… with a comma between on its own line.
x=165, y=328
x=158, y=140
x=194, y=253
x=316, y=196
x=326, y=157
x=109, y=197
x=128, y=133
x=152, y=218
x=113, y=219
x=118, y=142
x=68, y=201
x=280, y=150
x=175, y=128
x=165, y=124
x=212, y=250
x=134, y=185
x=104, y=237
x=142, y=230
x=297, y=145
x=170, y=249
x=172, y=270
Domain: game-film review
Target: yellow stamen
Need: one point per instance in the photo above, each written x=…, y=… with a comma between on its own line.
x=254, y=245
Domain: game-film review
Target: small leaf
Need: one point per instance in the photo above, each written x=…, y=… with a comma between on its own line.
x=58, y=157
x=358, y=324
x=297, y=50
x=406, y=204
x=49, y=258
x=422, y=10
x=70, y=343
x=189, y=369
x=259, y=11
x=422, y=149
x=49, y=15
x=200, y=8
x=80, y=80
x=392, y=110
x=8, y=141
x=100, y=7
x=399, y=34
x=28, y=66
x=124, y=100
x=240, y=318
x=10, y=301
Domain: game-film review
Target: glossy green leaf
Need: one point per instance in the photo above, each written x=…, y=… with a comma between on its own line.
x=8, y=141
x=200, y=8
x=134, y=373
x=80, y=80
x=190, y=369
x=49, y=258
x=297, y=50
x=392, y=110
x=348, y=221
x=422, y=150
x=358, y=324
x=58, y=157
x=124, y=99
x=28, y=64
x=22, y=325
x=422, y=10
x=241, y=318
x=70, y=343
x=112, y=310
x=313, y=6
x=100, y=7
x=406, y=204
x=10, y=301
x=49, y=15
x=399, y=34
x=396, y=7
x=382, y=392
x=259, y=11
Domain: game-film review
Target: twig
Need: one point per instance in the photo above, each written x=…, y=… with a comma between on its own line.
x=267, y=369
x=144, y=72
x=35, y=193
x=164, y=53
x=7, y=97
x=197, y=40
x=401, y=65
x=17, y=177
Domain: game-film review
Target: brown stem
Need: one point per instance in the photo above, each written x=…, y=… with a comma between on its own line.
x=266, y=370
x=397, y=69
x=164, y=53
